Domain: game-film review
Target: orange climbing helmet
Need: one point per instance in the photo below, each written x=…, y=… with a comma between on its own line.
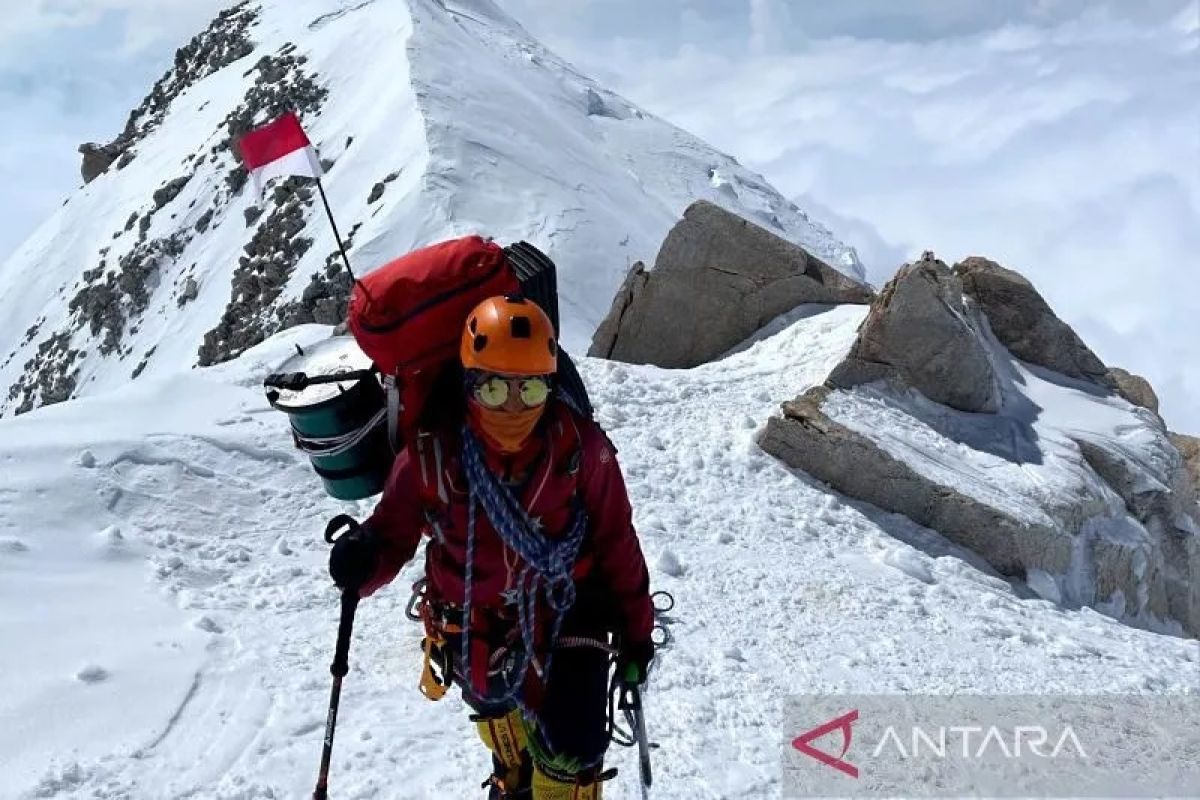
x=509, y=336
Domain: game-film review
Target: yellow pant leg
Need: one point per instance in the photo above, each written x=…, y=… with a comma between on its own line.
x=505, y=737
x=546, y=787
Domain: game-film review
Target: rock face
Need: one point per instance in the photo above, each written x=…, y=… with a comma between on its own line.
x=97, y=158
x=1105, y=517
x=605, y=337
x=1189, y=448
x=717, y=279
x=1134, y=388
x=1165, y=566
x=918, y=331
x=806, y=437
x=1023, y=321
x=1149, y=569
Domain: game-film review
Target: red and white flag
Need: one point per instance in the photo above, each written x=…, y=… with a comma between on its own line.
x=279, y=148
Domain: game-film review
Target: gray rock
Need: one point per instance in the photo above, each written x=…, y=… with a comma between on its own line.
x=1023, y=321
x=169, y=191
x=1156, y=566
x=99, y=157
x=918, y=331
x=189, y=292
x=605, y=337
x=376, y=192
x=808, y=439
x=718, y=278
x=1134, y=388
x=597, y=106
x=96, y=160
x=204, y=221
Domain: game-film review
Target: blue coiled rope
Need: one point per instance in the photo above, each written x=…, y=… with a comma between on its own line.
x=547, y=562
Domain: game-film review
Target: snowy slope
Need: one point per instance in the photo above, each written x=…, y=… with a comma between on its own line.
x=439, y=118
x=226, y=617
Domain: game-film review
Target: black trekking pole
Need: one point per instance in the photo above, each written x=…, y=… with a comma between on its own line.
x=339, y=667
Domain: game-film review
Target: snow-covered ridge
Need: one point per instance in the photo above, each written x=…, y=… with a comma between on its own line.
x=435, y=119
x=172, y=537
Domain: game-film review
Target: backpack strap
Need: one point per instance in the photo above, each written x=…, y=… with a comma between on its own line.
x=391, y=387
x=430, y=453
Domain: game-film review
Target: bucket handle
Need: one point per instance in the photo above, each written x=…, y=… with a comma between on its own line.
x=299, y=381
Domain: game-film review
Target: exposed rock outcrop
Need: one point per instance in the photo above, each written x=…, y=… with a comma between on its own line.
x=918, y=331
x=717, y=279
x=1022, y=320
x=1189, y=448
x=1138, y=547
x=224, y=41
x=169, y=191
x=1134, y=388
x=807, y=438
x=262, y=273
x=97, y=158
x=1164, y=567
x=605, y=337
x=50, y=376
x=1124, y=539
x=190, y=291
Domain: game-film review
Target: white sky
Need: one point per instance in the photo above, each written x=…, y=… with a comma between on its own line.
x=1059, y=137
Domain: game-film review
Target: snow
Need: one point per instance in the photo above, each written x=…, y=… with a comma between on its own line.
x=517, y=145
x=182, y=573
x=973, y=133
x=161, y=565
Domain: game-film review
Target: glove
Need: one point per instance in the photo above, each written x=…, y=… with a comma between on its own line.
x=354, y=559
x=633, y=661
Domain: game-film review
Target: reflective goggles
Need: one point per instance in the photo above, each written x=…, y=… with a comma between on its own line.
x=493, y=391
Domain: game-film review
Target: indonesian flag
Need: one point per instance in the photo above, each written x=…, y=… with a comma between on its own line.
x=279, y=148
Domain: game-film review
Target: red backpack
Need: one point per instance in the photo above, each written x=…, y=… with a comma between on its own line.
x=408, y=315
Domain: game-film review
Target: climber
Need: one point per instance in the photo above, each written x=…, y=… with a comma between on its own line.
x=532, y=559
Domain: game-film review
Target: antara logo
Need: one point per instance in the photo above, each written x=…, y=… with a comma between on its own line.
x=842, y=723
x=1032, y=739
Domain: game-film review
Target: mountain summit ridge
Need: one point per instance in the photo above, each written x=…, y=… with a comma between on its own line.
x=434, y=119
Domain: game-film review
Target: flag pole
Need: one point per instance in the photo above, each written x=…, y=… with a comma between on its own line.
x=336, y=235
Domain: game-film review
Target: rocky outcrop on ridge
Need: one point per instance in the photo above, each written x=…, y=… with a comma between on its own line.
x=717, y=279
x=1125, y=538
x=918, y=331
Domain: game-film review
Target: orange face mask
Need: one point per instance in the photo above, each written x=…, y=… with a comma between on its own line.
x=507, y=431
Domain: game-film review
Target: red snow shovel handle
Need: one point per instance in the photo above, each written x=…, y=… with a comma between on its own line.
x=338, y=668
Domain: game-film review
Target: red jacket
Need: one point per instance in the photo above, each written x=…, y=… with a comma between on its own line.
x=567, y=455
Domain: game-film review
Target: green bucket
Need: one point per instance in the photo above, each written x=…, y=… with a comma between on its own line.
x=337, y=410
